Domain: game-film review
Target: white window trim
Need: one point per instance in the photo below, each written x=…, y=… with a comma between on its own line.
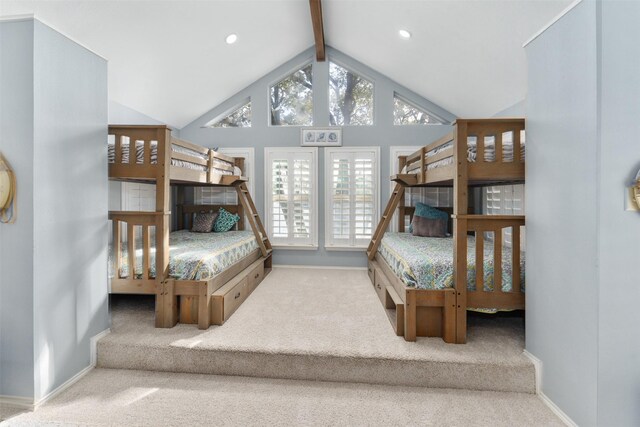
x=327, y=195
x=268, y=152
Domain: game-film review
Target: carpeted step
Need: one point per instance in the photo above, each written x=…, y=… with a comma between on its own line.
x=323, y=325
x=118, y=397
x=319, y=367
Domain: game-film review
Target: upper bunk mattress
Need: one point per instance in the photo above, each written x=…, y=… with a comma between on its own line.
x=194, y=256
x=489, y=152
x=427, y=262
x=153, y=157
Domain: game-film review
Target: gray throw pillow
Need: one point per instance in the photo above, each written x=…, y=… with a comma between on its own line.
x=203, y=222
x=429, y=227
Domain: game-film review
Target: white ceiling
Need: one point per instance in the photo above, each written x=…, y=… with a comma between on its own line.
x=168, y=59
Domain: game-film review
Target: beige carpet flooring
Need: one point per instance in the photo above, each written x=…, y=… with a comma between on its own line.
x=7, y=412
x=319, y=324
x=125, y=398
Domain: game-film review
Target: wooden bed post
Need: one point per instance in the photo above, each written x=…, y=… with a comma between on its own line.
x=410, y=315
x=166, y=300
x=449, y=317
x=460, y=207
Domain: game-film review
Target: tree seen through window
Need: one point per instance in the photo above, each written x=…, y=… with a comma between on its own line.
x=292, y=99
x=350, y=97
x=405, y=113
x=239, y=118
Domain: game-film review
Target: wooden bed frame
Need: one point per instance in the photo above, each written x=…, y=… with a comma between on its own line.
x=204, y=302
x=418, y=312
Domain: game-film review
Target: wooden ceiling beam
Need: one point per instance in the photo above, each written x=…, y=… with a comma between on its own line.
x=318, y=28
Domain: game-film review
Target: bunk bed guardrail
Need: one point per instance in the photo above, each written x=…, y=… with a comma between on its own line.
x=144, y=153
x=494, y=151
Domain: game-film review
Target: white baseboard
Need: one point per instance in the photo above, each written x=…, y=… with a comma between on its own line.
x=318, y=267
x=17, y=402
x=30, y=405
x=537, y=363
x=93, y=342
x=554, y=408
x=62, y=387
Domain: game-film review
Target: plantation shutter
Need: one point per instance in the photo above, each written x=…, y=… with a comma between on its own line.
x=505, y=200
x=352, y=197
x=227, y=196
x=291, y=197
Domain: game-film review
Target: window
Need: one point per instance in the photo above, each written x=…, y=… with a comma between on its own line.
x=406, y=113
x=433, y=196
x=292, y=99
x=351, y=196
x=228, y=196
x=291, y=196
x=350, y=97
x=238, y=118
x=138, y=197
x=505, y=200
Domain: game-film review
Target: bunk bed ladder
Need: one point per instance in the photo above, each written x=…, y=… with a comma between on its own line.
x=396, y=196
x=254, y=218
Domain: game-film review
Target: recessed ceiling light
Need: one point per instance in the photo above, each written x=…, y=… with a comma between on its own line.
x=231, y=38
x=404, y=34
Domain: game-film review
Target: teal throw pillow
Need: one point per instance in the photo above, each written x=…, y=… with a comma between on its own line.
x=225, y=221
x=425, y=211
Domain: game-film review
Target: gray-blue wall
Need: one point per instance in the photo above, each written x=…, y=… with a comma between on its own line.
x=619, y=231
x=59, y=258
x=122, y=115
x=515, y=110
x=562, y=206
x=582, y=246
x=16, y=240
x=383, y=134
x=70, y=290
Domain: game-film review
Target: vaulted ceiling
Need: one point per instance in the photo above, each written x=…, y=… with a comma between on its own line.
x=169, y=59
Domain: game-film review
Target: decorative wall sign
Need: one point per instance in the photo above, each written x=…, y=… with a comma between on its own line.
x=321, y=137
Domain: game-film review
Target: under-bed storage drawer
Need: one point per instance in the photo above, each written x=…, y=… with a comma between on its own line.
x=255, y=276
x=226, y=300
x=371, y=270
x=380, y=285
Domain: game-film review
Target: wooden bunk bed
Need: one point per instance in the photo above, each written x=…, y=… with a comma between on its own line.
x=473, y=155
x=150, y=154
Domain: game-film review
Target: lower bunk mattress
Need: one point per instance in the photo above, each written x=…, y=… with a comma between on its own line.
x=427, y=262
x=193, y=256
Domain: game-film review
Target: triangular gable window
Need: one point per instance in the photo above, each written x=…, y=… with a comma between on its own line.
x=292, y=99
x=350, y=97
x=405, y=113
x=239, y=118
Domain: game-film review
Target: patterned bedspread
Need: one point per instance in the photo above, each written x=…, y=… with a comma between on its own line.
x=195, y=256
x=427, y=262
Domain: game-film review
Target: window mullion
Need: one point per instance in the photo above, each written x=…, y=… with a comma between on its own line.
x=290, y=204
x=352, y=199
